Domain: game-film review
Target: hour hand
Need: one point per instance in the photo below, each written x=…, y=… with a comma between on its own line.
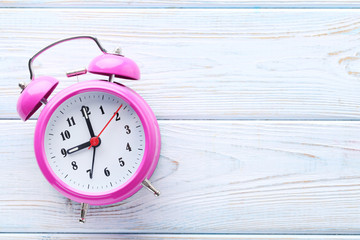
x=78, y=147
x=85, y=112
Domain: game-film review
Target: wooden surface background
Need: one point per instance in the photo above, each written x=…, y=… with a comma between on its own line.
x=258, y=106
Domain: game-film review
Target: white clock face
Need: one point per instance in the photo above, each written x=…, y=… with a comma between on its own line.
x=109, y=159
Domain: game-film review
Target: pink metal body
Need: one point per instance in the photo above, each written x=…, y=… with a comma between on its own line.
x=111, y=64
x=30, y=99
x=151, y=152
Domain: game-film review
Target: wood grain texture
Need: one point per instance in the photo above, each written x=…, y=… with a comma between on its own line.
x=182, y=4
x=215, y=177
x=201, y=64
x=172, y=236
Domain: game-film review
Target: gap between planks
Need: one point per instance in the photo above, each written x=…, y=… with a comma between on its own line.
x=228, y=120
x=180, y=236
x=166, y=4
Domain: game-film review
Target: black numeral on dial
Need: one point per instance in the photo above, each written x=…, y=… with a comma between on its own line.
x=89, y=171
x=128, y=147
x=128, y=131
x=121, y=162
x=102, y=110
x=74, y=166
x=117, y=117
x=107, y=172
x=71, y=121
x=65, y=135
x=63, y=152
x=87, y=110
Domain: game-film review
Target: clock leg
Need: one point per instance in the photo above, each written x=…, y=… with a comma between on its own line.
x=84, y=208
x=147, y=184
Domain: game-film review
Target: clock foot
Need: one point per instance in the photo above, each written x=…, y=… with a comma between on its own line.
x=147, y=184
x=84, y=208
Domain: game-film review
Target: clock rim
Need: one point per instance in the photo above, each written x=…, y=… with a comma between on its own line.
x=151, y=150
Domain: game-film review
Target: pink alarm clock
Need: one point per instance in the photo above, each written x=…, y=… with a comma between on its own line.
x=97, y=142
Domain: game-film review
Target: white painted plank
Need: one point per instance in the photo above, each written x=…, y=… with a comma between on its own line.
x=201, y=64
x=183, y=4
x=173, y=236
x=215, y=177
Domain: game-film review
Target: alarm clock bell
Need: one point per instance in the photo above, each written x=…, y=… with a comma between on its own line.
x=34, y=94
x=114, y=65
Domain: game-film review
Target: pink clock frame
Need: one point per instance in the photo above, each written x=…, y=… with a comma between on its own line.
x=151, y=151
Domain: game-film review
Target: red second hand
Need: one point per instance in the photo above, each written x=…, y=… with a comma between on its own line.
x=91, y=142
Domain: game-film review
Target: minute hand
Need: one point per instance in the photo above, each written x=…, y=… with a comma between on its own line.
x=87, y=119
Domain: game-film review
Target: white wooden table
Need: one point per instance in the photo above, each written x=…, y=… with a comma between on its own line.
x=258, y=104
